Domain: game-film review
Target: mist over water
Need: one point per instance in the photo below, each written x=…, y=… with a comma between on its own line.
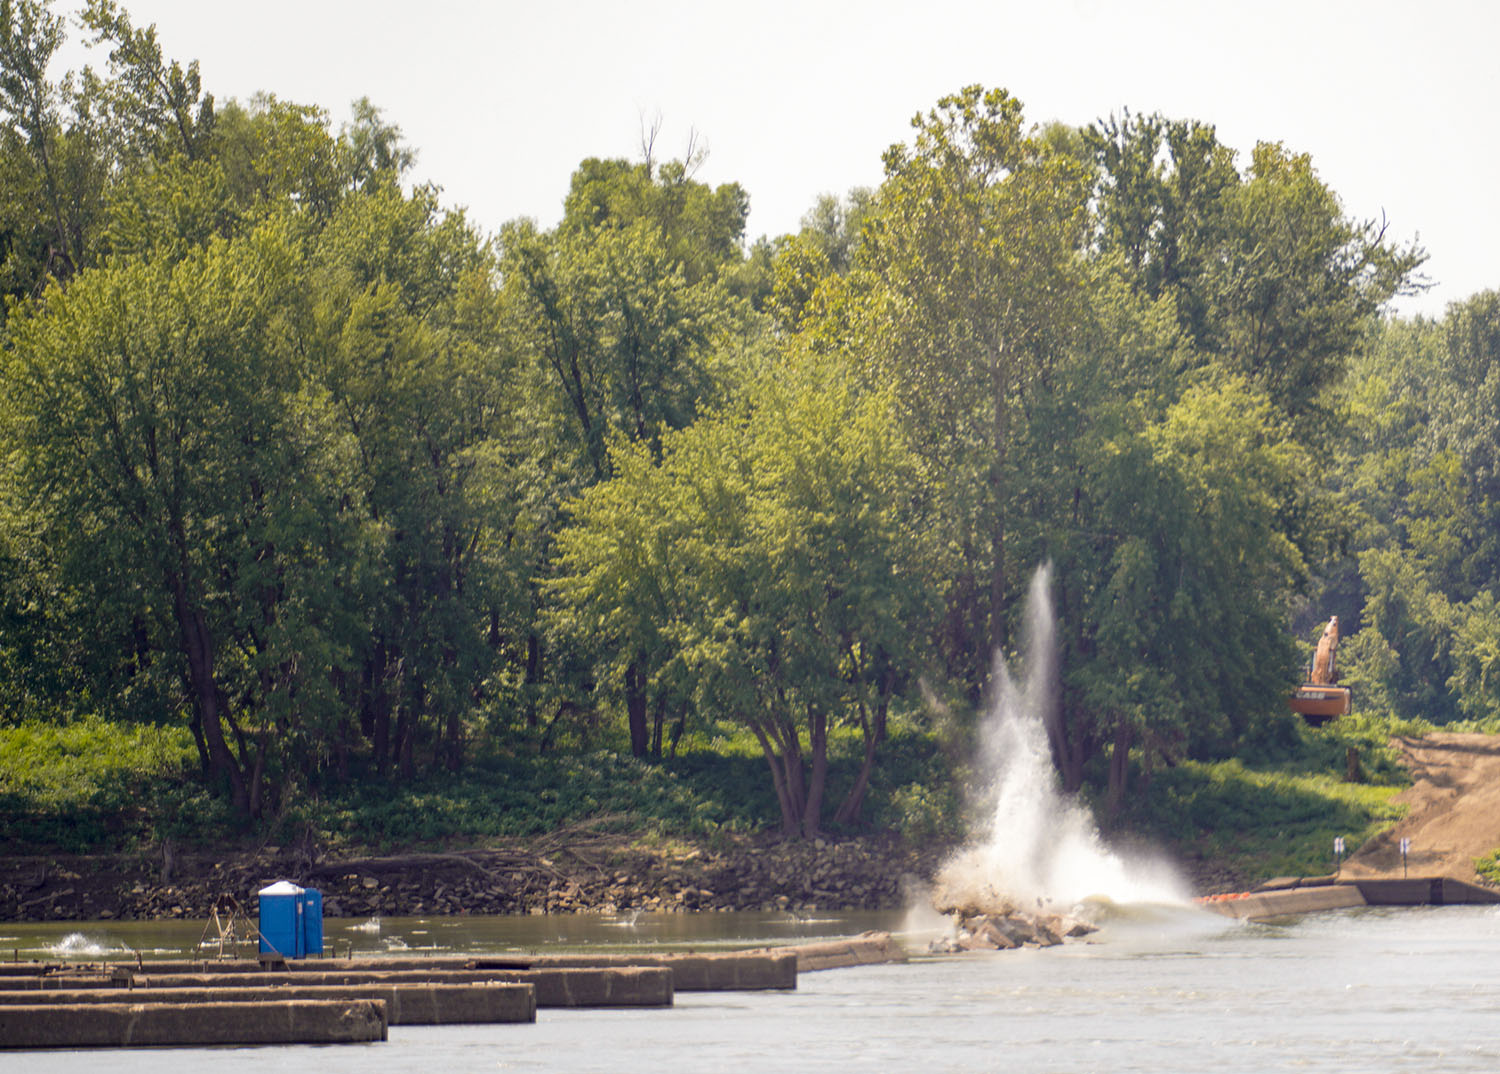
x=1033, y=842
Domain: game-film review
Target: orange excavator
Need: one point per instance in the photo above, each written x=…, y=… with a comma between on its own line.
x=1320, y=698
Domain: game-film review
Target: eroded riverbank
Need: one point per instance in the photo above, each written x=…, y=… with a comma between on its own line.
x=593, y=874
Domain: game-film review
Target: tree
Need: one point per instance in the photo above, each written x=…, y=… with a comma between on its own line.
x=835, y=226
x=1187, y=636
x=407, y=349
x=1419, y=475
x=160, y=436
x=1271, y=280
x=374, y=149
x=157, y=105
x=623, y=318
x=51, y=176
x=975, y=242
x=776, y=572
x=701, y=228
x=619, y=340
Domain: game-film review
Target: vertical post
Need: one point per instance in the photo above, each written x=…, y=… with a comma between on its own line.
x=1338, y=855
x=1405, y=847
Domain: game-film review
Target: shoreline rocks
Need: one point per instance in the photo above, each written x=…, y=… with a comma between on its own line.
x=605, y=875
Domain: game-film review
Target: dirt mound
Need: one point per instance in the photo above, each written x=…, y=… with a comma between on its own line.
x=1453, y=813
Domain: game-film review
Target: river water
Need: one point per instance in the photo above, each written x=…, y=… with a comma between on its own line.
x=1162, y=990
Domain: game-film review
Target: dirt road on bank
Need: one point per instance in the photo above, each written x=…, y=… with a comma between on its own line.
x=1453, y=813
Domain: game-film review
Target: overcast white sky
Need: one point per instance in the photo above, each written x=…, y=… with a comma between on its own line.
x=1395, y=101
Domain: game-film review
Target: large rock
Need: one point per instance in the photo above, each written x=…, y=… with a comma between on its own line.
x=1004, y=931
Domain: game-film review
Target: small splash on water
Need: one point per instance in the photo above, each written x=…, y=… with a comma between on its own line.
x=1037, y=846
x=371, y=926
x=77, y=943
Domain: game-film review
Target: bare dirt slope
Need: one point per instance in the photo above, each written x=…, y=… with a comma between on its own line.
x=1453, y=811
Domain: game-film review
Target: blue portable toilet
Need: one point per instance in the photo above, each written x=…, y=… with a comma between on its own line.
x=281, y=912
x=312, y=922
x=291, y=920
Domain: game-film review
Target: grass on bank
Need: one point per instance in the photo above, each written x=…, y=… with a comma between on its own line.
x=1277, y=811
x=92, y=785
x=1262, y=823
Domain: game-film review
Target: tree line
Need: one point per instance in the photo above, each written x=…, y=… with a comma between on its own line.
x=298, y=457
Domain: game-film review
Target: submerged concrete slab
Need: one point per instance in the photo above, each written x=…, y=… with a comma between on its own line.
x=621, y=986
x=54, y=981
x=1285, y=902
x=592, y=986
x=124, y=1025
x=1423, y=891
x=865, y=949
x=1291, y=895
x=406, y=1004
x=730, y=971
x=691, y=972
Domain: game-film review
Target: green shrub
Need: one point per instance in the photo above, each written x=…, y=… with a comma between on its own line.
x=92, y=784
x=1488, y=867
x=1269, y=822
x=922, y=814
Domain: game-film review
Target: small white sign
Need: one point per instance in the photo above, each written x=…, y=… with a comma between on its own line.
x=1338, y=845
x=1405, y=846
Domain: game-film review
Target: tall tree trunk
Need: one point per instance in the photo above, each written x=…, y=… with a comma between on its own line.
x=853, y=804
x=964, y=624
x=678, y=727
x=378, y=707
x=406, y=728
x=533, y=676
x=1119, y=769
x=658, y=722
x=197, y=648
x=790, y=815
x=195, y=725
x=812, y=808
x=258, y=775
x=635, y=708
x=1068, y=747
x=453, y=746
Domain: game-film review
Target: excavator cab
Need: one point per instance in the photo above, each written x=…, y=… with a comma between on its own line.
x=1320, y=698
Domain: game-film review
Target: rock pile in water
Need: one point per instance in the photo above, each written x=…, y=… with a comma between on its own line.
x=1003, y=932
x=1000, y=925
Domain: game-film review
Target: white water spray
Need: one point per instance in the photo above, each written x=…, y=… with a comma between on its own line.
x=1035, y=844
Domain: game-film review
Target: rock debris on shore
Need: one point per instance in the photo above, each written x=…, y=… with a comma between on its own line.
x=590, y=875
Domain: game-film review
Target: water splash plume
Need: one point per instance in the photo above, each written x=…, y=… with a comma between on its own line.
x=1036, y=846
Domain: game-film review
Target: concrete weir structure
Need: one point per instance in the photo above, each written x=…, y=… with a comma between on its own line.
x=732, y=971
x=121, y=1025
x=1305, y=895
x=622, y=986
x=244, y=1001
x=405, y=1004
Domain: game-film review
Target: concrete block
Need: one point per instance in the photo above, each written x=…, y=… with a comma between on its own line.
x=124, y=1025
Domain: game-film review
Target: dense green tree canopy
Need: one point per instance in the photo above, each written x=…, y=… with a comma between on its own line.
x=294, y=456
